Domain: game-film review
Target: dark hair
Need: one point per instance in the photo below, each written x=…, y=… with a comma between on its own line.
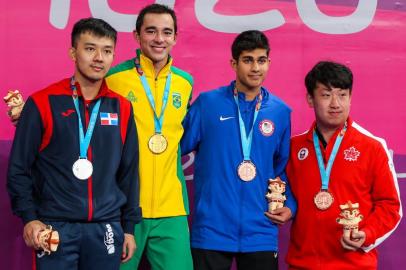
x=95, y=26
x=156, y=9
x=330, y=74
x=248, y=41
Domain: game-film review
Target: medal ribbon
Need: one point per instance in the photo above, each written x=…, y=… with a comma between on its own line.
x=158, y=121
x=247, y=141
x=84, y=140
x=325, y=172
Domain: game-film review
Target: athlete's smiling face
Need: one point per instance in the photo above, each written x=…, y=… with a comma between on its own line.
x=157, y=37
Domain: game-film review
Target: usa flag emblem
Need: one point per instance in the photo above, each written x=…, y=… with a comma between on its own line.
x=108, y=119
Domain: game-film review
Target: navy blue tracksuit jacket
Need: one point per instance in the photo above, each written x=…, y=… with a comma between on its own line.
x=41, y=183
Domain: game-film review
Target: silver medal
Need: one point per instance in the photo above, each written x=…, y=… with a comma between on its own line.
x=82, y=169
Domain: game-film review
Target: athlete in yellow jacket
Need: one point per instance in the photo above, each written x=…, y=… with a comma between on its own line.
x=163, y=233
x=163, y=191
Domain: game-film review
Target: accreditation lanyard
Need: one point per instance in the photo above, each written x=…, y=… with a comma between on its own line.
x=158, y=121
x=325, y=171
x=84, y=140
x=246, y=141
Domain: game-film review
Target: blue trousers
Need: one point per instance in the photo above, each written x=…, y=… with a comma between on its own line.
x=84, y=246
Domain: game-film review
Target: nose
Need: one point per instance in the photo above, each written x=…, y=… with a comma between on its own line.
x=335, y=101
x=255, y=65
x=99, y=55
x=158, y=37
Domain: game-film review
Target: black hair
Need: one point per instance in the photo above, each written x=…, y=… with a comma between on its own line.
x=97, y=27
x=155, y=9
x=330, y=74
x=248, y=41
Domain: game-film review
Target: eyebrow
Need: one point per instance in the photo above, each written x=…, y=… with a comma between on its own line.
x=155, y=28
x=251, y=57
x=326, y=88
x=95, y=45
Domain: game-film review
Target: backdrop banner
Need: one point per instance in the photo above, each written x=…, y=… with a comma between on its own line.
x=367, y=35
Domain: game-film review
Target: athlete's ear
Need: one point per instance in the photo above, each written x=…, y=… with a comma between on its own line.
x=175, y=37
x=233, y=64
x=136, y=36
x=309, y=99
x=72, y=53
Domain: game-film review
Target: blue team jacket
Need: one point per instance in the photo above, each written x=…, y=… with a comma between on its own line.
x=228, y=212
x=41, y=183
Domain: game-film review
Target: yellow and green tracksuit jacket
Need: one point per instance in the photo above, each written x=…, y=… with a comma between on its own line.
x=162, y=184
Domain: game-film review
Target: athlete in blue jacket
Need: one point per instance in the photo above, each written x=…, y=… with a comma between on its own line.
x=74, y=162
x=241, y=134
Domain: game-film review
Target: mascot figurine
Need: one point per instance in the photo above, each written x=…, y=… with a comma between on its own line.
x=350, y=218
x=48, y=240
x=275, y=197
x=15, y=102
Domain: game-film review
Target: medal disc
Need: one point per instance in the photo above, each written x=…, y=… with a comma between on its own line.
x=323, y=199
x=82, y=169
x=246, y=170
x=157, y=143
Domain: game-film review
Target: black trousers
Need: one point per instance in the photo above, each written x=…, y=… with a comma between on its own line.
x=204, y=259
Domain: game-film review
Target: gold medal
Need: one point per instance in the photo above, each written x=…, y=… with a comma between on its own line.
x=323, y=199
x=157, y=143
x=247, y=170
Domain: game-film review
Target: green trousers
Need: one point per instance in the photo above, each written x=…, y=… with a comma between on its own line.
x=166, y=243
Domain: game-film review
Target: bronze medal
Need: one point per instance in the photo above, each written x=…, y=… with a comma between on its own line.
x=157, y=143
x=247, y=170
x=323, y=199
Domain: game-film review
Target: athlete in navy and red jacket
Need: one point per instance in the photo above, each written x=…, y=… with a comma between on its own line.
x=94, y=215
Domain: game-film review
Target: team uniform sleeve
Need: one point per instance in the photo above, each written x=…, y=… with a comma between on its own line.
x=387, y=209
x=128, y=178
x=192, y=128
x=280, y=162
x=26, y=145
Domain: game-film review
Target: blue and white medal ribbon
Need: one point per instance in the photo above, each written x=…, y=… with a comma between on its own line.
x=324, y=199
x=247, y=170
x=83, y=168
x=157, y=143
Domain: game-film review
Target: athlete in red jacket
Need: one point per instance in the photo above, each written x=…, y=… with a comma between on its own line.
x=333, y=163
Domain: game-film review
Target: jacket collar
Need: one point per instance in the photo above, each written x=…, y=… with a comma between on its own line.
x=231, y=86
x=147, y=66
x=104, y=90
x=309, y=135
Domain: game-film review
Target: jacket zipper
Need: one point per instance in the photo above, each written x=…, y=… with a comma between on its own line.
x=154, y=156
x=241, y=216
x=90, y=179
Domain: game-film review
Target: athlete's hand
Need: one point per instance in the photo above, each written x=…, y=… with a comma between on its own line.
x=31, y=232
x=355, y=242
x=129, y=247
x=279, y=215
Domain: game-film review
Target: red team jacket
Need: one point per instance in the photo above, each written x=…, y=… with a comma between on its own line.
x=363, y=173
